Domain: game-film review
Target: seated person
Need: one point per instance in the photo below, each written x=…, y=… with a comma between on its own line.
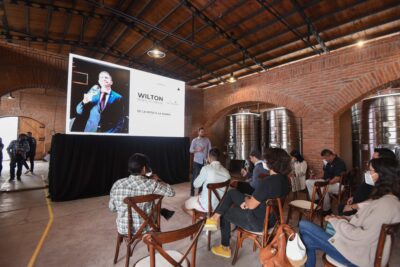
x=333, y=168
x=364, y=189
x=252, y=177
x=248, y=212
x=214, y=172
x=355, y=239
x=137, y=184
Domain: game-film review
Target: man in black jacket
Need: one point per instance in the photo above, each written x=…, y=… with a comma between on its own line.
x=32, y=151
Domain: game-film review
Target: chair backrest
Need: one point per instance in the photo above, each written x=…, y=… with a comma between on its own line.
x=320, y=189
x=387, y=230
x=273, y=206
x=155, y=241
x=213, y=190
x=152, y=219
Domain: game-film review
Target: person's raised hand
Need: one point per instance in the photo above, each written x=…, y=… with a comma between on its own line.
x=87, y=98
x=243, y=172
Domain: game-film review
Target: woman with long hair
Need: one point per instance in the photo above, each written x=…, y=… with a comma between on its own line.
x=248, y=212
x=355, y=238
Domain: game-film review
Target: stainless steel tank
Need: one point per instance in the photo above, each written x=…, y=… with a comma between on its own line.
x=280, y=128
x=375, y=123
x=243, y=134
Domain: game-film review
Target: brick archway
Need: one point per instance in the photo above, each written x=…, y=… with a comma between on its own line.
x=254, y=95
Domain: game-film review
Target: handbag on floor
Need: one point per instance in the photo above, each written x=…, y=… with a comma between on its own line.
x=277, y=252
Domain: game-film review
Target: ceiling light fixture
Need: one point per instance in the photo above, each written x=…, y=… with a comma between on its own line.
x=10, y=96
x=231, y=79
x=155, y=52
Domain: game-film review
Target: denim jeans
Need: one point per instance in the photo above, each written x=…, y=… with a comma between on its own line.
x=315, y=238
x=196, y=168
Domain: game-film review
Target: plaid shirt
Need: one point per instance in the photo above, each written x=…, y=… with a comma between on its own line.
x=131, y=187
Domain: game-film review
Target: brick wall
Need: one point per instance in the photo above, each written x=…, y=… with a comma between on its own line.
x=47, y=107
x=318, y=89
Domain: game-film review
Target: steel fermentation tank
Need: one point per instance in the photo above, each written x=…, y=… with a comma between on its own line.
x=280, y=128
x=243, y=134
x=375, y=123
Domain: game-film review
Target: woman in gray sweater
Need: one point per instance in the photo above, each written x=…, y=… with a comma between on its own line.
x=355, y=239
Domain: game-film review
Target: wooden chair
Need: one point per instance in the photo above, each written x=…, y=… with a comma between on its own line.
x=382, y=250
x=152, y=220
x=343, y=187
x=163, y=258
x=310, y=207
x=212, y=190
x=260, y=238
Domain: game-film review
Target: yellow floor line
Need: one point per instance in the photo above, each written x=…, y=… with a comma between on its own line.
x=46, y=231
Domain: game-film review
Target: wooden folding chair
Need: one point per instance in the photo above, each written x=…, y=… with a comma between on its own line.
x=164, y=258
x=260, y=238
x=383, y=248
x=151, y=220
x=310, y=207
x=212, y=190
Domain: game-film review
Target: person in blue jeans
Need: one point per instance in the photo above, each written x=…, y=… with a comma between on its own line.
x=315, y=238
x=355, y=238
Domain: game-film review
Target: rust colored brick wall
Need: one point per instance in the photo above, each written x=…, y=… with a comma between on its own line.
x=318, y=89
x=47, y=107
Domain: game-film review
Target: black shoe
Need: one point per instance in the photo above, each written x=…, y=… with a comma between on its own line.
x=19, y=178
x=11, y=179
x=167, y=214
x=192, y=194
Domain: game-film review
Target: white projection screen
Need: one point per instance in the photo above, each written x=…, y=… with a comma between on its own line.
x=108, y=99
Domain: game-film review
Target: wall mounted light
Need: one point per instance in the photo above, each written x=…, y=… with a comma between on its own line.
x=10, y=96
x=360, y=43
x=231, y=79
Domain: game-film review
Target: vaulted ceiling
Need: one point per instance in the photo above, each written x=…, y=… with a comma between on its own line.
x=205, y=40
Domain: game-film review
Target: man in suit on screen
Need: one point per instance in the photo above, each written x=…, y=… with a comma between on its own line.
x=103, y=106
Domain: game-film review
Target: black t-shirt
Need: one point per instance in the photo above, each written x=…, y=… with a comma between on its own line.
x=272, y=186
x=336, y=168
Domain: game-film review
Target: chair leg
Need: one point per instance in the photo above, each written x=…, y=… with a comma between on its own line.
x=238, y=245
x=289, y=214
x=128, y=255
x=119, y=241
x=209, y=240
x=254, y=246
x=193, y=221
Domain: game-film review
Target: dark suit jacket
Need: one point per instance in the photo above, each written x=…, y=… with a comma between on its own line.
x=110, y=120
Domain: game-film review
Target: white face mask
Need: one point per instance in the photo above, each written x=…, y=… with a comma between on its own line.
x=368, y=178
x=265, y=166
x=325, y=162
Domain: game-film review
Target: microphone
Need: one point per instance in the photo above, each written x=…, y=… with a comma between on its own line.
x=94, y=90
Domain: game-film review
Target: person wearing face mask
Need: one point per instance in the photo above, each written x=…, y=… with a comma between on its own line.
x=364, y=189
x=139, y=183
x=354, y=239
x=333, y=168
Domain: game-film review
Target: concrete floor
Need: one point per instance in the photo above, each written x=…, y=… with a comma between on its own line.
x=83, y=232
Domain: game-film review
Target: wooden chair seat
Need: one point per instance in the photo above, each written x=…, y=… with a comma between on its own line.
x=302, y=204
x=161, y=261
x=163, y=258
x=310, y=208
x=260, y=238
x=213, y=189
x=151, y=221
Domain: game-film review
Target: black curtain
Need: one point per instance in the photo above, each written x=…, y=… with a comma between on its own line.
x=87, y=166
